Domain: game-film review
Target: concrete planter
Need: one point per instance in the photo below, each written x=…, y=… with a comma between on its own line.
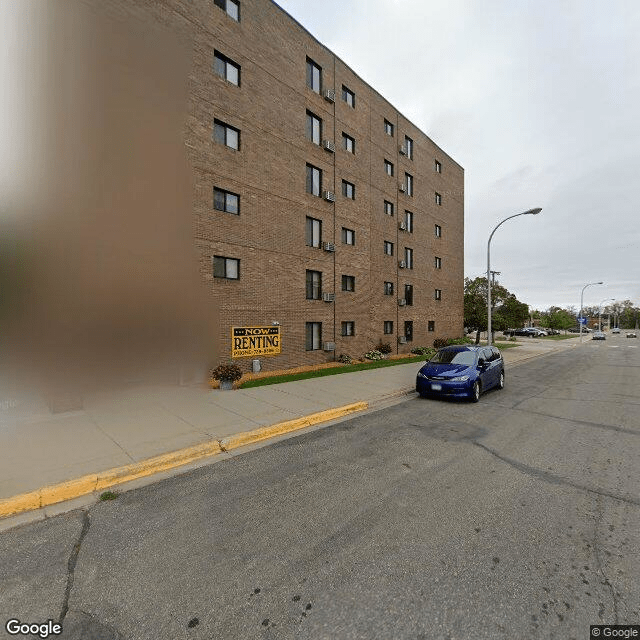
x=226, y=385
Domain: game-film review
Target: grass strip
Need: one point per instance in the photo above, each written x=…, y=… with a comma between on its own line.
x=348, y=368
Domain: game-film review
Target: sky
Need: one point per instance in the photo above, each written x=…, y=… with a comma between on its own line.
x=539, y=101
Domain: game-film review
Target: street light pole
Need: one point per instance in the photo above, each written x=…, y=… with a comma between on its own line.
x=581, y=301
x=532, y=212
x=600, y=312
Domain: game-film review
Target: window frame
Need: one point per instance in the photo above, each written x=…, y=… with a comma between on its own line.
x=219, y=124
x=310, y=181
x=348, y=234
x=408, y=294
x=408, y=143
x=408, y=182
x=438, y=199
x=310, y=336
x=349, y=96
x=437, y=294
x=348, y=283
x=388, y=167
x=408, y=220
x=388, y=243
x=310, y=129
x=388, y=290
x=347, y=141
x=345, y=326
x=224, y=5
x=387, y=324
x=431, y=325
x=389, y=128
x=312, y=286
x=408, y=324
x=226, y=260
x=437, y=166
x=346, y=187
x=437, y=262
x=438, y=231
x=225, y=193
x=310, y=228
x=408, y=257
x=391, y=206
x=219, y=57
x=312, y=66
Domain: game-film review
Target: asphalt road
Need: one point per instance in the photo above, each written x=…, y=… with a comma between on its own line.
x=518, y=517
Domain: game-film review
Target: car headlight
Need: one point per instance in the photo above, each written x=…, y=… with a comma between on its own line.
x=459, y=379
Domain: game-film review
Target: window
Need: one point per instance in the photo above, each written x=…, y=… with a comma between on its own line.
x=314, y=285
x=408, y=181
x=388, y=207
x=431, y=325
x=348, y=236
x=226, y=68
x=232, y=7
x=388, y=128
x=348, y=96
x=314, y=180
x=438, y=231
x=388, y=168
x=408, y=220
x=388, y=326
x=314, y=73
x=226, y=268
x=438, y=167
x=408, y=294
x=438, y=199
x=438, y=294
x=348, y=283
x=314, y=128
x=408, y=145
x=388, y=288
x=226, y=201
x=348, y=143
x=349, y=328
x=408, y=330
x=348, y=190
x=225, y=134
x=438, y=263
x=408, y=257
x=313, y=232
x=313, y=331
x=388, y=247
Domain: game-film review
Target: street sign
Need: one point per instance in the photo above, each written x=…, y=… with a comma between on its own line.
x=582, y=320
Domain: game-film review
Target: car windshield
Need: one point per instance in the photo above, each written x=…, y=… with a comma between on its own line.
x=448, y=356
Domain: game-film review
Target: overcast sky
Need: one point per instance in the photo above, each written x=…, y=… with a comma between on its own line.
x=539, y=101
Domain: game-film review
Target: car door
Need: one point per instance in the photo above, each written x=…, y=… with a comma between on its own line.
x=487, y=373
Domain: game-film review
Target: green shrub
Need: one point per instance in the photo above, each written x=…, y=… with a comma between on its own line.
x=422, y=351
x=464, y=340
x=374, y=354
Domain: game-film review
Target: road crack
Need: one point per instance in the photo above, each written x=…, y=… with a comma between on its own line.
x=552, y=478
x=598, y=558
x=71, y=565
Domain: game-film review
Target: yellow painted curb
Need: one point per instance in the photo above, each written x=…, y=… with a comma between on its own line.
x=249, y=437
x=95, y=482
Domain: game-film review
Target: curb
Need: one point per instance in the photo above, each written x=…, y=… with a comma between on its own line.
x=91, y=483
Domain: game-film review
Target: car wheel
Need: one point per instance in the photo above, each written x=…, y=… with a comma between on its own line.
x=475, y=392
x=501, y=380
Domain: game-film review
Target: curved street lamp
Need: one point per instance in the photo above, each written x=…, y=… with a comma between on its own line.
x=581, y=301
x=600, y=313
x=532, y=212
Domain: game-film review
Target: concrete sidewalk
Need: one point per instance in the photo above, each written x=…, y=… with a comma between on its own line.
x=39, y=449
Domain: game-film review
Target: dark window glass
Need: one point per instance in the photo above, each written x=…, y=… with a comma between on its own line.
x=314, y=285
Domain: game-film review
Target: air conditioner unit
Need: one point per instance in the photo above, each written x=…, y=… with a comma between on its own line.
x=402, y=339
x=330, y=95
x=329, y=196
x=402, y=264
x=328, y=297
x=402, y=226
x=403, y=150
x=329, y=246
x=402, y=302
x=401, y=188
x=329, y=346
x=329, y=146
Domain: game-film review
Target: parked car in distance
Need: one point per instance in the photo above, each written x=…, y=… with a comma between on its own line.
x=461, y=371
x=615, y=330
x=631, y=334
x=598, y=335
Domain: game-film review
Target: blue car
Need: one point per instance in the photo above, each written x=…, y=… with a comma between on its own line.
x=461, y=372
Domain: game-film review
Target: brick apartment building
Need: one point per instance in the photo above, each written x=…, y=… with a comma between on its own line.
x=320, y=209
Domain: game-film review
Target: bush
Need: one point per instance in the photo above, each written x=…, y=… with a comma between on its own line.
x=422, y=351
x=438, y=343
x=345, y=358
x=464, y=340
x=228, y=371
x=373, y=355
x=384, y=347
